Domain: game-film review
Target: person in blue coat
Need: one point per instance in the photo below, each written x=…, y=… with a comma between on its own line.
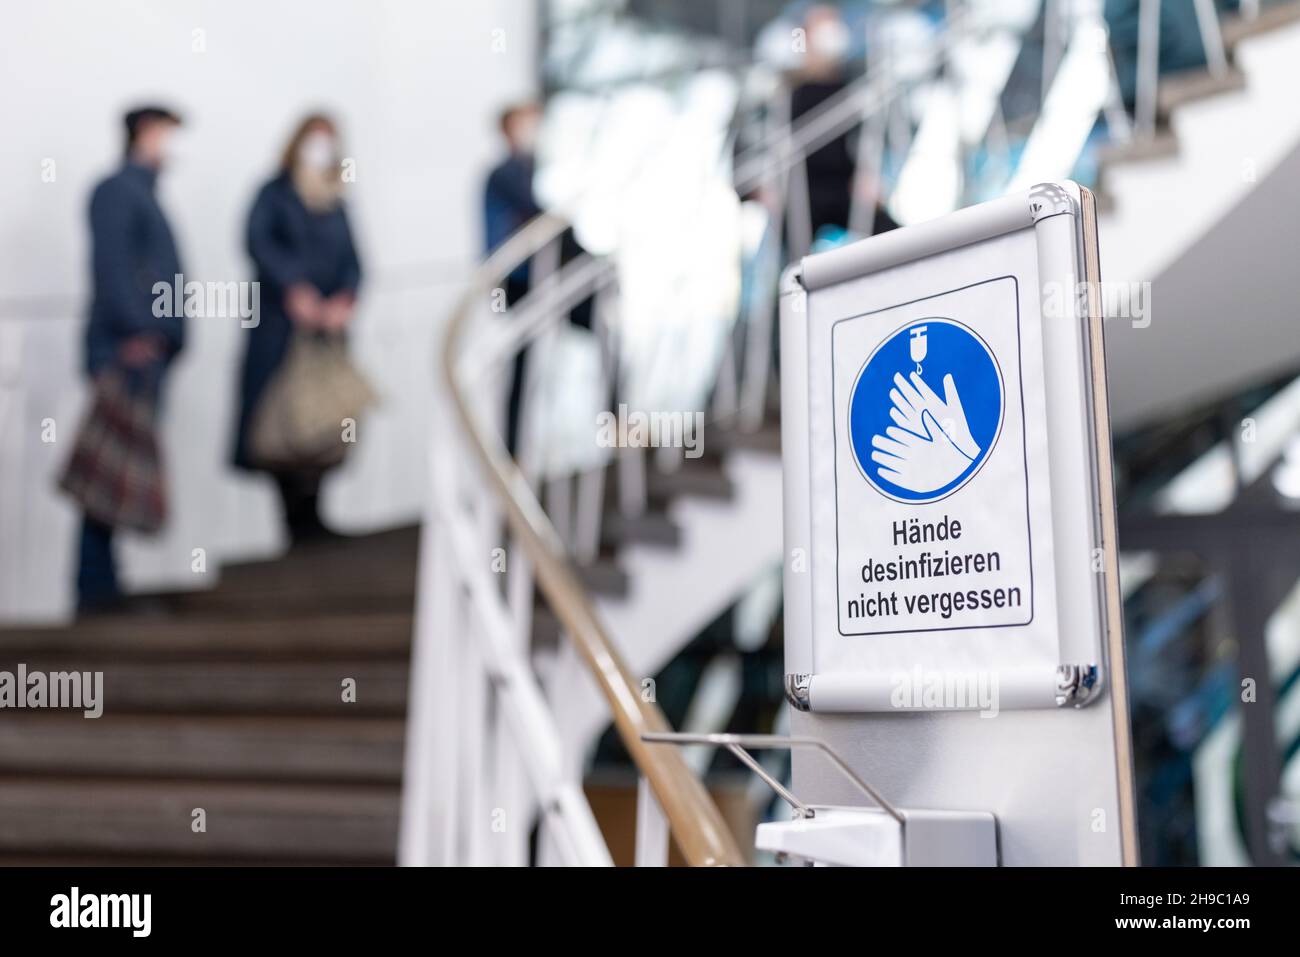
x=508, y=204
x=301, y=244
x=132, y=249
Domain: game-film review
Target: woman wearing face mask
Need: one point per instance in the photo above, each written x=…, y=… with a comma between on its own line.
x=299, y=239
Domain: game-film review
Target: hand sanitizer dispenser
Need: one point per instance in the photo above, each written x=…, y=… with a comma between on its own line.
x=880, y=836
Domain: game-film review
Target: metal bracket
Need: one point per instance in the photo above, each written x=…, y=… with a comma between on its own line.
x=1077, y=685
x=737, y=743
x=797, y=691
x=1049, y=199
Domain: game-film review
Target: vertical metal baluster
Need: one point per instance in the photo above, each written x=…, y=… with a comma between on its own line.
x=591, y=483
x=758, y=332
x=651, y=828
x=424, y=781
x=1207, y=20
x=1148, y=67
x=1052, y=45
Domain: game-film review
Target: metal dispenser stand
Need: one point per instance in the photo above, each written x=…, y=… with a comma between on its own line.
x=880, y=836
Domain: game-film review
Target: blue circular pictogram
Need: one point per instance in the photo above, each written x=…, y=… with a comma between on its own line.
x=926, y=410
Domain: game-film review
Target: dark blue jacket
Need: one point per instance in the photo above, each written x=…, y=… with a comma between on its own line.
x=508, y=203
x=131, y=249
x=288, y=244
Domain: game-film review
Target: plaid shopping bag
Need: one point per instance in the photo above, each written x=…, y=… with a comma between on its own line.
x=115, y=472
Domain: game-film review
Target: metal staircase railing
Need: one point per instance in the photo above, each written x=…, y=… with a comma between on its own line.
x=477, y=486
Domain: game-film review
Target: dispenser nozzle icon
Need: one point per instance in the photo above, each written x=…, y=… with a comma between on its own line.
x=918, y=345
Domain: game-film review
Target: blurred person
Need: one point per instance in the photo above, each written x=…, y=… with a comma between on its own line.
x=132, y=248
x=508, y=203
x=831, y=170
x=301, y=244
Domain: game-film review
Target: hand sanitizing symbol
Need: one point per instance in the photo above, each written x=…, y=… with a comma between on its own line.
x=918, y=344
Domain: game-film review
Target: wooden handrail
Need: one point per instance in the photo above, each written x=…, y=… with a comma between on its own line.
x=697, y=825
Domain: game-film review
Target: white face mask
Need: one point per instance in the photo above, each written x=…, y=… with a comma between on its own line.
x=317, y=152
x=174, y=148
x=829, y=39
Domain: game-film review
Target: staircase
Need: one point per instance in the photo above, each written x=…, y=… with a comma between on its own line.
x=230, y=701
x=728, y=522
x=1210, y=195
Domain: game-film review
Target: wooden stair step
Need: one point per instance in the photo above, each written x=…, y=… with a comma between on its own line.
x=310, y=637
x=367, y=573
x=605, y=577
x=127, y=859
x=1162, y=145
x=704, y=481
x=305, y=596
x=766, y=438
x=241, y=687
x=1236, y=28
x=356, y=574
x=348, y=554
x=168, y=746
x=653, y=527
x=85, y=817
x=353, y=574
x=38, y=859
x=1186, y=86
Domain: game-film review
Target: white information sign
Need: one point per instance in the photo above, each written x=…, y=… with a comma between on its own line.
x=942, y=477
x=932, y=474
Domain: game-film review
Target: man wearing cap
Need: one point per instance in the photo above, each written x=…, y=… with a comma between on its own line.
x=132, y=248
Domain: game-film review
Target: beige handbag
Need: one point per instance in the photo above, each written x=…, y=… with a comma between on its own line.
x=303, y=416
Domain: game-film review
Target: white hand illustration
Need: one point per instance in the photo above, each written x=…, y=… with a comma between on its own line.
x=922, y=462
x=915, y=397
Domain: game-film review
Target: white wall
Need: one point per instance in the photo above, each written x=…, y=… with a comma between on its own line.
x=416, y=87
